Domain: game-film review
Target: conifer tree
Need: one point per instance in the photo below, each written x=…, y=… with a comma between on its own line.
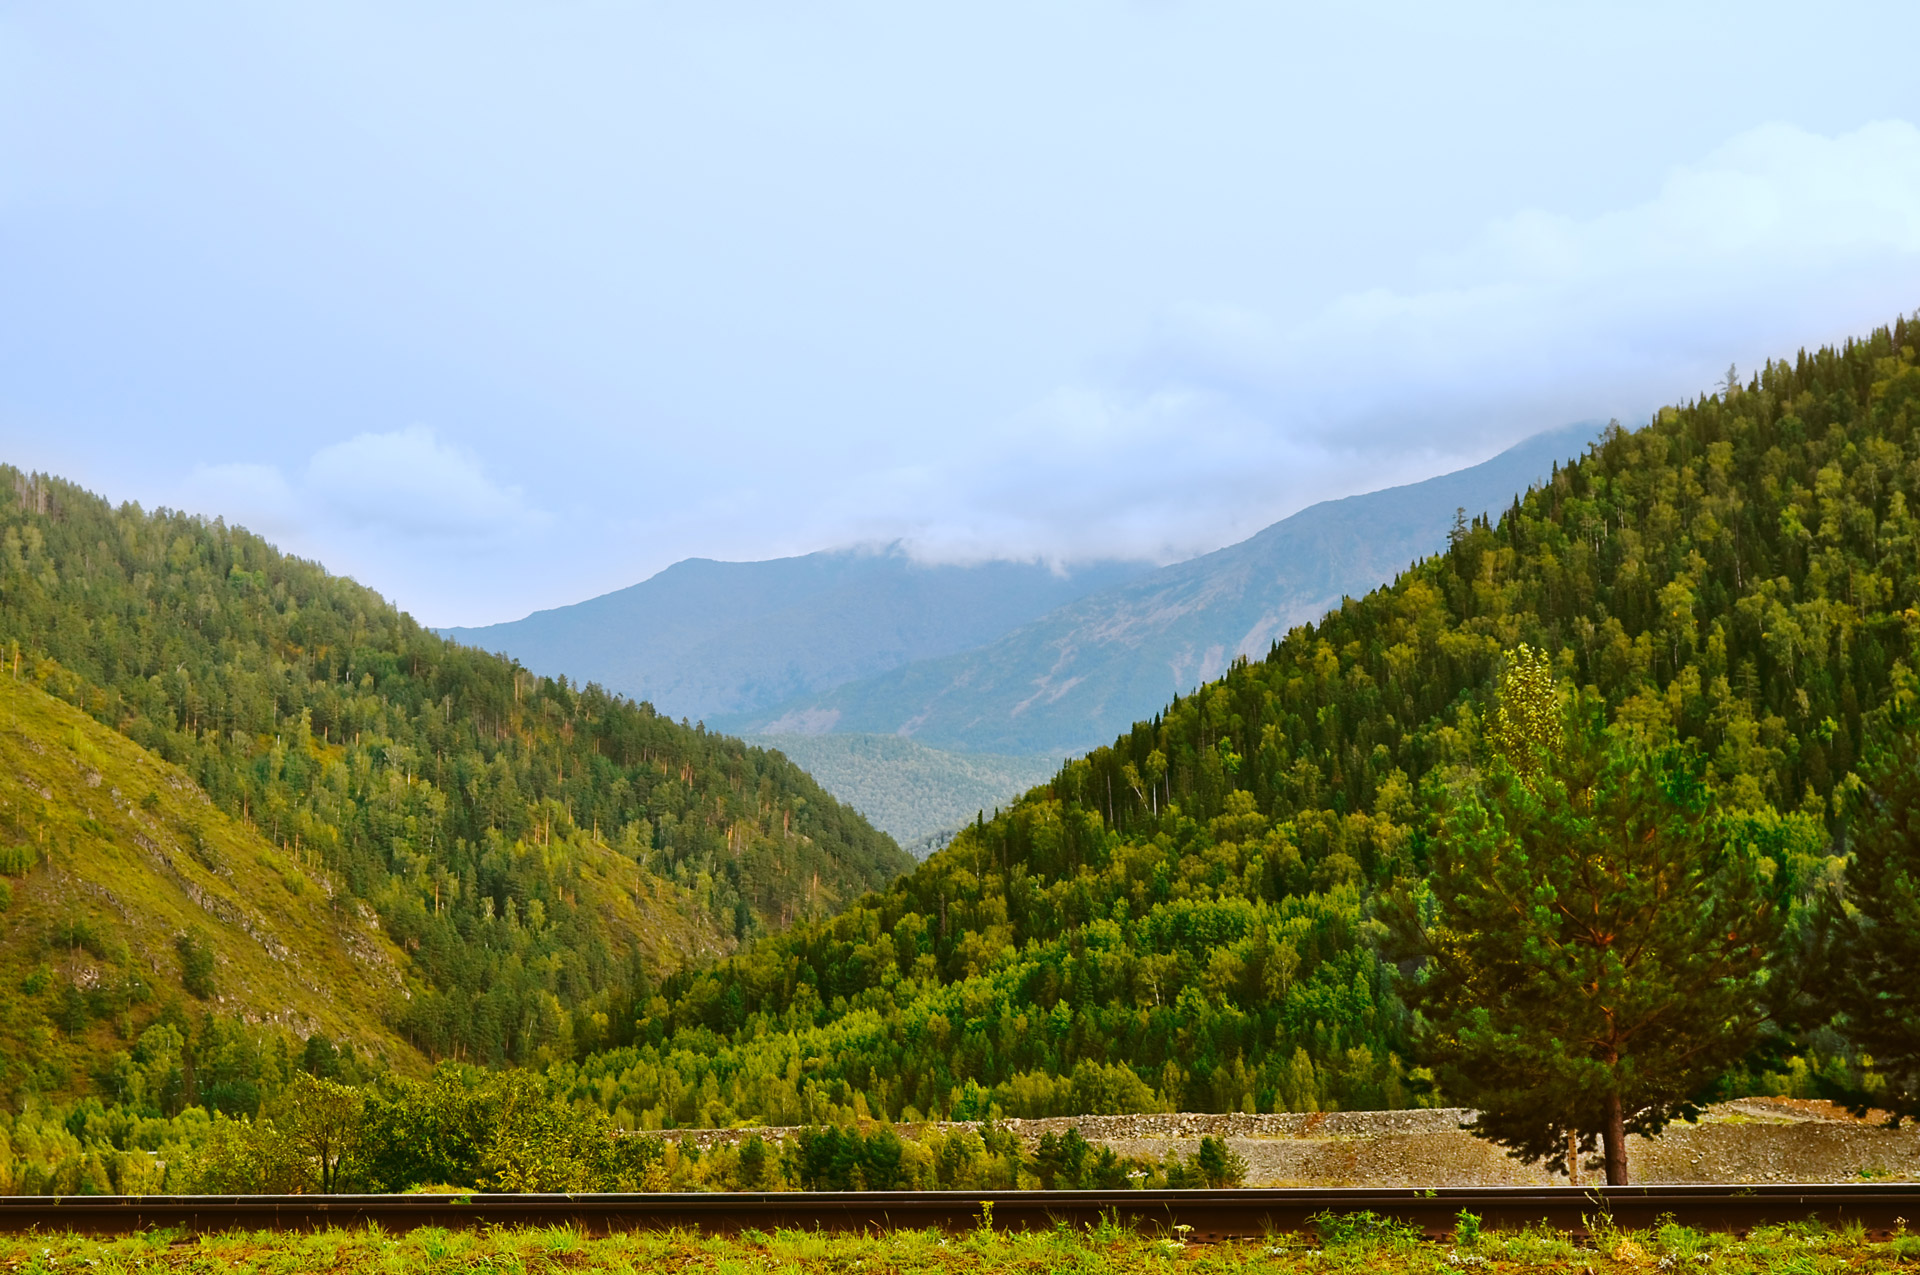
x=1878, y=952
x=1595, y=947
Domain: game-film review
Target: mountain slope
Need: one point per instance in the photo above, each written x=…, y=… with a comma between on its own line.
x=1184, y=919
x=704, y=638
x=907, y=789
x=118, y=871
x=493, y=820
x=1096, y=665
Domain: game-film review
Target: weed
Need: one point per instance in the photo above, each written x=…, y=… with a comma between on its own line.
x=1353, y=1243
x=1364, y=1229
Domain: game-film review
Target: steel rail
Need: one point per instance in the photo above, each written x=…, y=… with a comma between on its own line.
x=1879, y=1207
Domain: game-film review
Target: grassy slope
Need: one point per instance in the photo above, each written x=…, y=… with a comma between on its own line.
x=123, y=854
x=115, y=853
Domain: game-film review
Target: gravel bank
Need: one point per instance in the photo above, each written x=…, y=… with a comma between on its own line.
x=1752, y=1140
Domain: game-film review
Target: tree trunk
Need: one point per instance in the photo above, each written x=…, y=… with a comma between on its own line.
x=1614, y=1143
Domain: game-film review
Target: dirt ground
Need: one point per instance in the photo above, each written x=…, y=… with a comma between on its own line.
x=1751, y=1140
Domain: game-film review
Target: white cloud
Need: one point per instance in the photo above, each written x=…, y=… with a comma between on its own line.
x=1229, y=415
x=257, y=497
x=411, y=482
x=1777, y=233
x=1231, y=410
x=407, y=483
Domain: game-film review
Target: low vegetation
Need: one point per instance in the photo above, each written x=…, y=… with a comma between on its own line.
x=323, y=1126
x=1341, y=1244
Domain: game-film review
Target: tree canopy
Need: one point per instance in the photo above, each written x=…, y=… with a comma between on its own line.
x=1598, y=937
x=1877, y=944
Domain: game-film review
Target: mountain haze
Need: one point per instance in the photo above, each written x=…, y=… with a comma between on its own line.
x=705, y=638
x=1091, y=668
x=907, y=790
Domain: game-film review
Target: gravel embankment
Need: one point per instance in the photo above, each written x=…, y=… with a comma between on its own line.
x=1751, y=1140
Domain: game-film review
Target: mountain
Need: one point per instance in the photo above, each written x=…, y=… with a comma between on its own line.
x=540, y=853
x=912, y=792
x=1095, y=665
x=123, y=889
x=1188, y=917
x=704, y=638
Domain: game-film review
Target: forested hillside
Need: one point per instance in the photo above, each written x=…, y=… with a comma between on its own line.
x=540, y=851
x=1189, y=917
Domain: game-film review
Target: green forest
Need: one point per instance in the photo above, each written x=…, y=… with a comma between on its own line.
x=1192, y=917
x=457, y=795
x=1224, y=910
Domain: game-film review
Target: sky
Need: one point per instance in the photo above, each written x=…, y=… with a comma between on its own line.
x=497, y=307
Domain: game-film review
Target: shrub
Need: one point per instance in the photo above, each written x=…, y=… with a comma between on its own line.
x=196, y=964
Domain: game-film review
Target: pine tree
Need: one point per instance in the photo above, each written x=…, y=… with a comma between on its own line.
x=1878, y=952
x=1595, y=948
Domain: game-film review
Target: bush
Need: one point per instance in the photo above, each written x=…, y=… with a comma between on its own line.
x=1217, y=1165
x=196, y=964
x=245, y=1157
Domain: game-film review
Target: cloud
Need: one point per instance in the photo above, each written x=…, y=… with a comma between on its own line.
x=1229, y=415
x=257, y=497
x=407, y=483
x=1226, y=411
x=1775, y=232
x=411, y=482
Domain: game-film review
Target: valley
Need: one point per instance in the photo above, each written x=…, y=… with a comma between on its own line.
x=254, y=812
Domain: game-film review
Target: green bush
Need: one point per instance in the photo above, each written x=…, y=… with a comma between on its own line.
x=196, y=964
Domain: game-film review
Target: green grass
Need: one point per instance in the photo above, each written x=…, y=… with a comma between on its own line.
x=121, y=878
x=1352, y=1248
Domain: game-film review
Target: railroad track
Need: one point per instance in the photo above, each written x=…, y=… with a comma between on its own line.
x=1880, y=1208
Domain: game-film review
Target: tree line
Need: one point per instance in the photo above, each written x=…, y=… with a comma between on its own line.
x=324, y=1124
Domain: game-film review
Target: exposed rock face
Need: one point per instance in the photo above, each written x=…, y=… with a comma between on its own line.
x=1752, y=1140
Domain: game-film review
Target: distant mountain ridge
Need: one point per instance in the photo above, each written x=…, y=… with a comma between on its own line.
x=705, y=638
x=1086, y=671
